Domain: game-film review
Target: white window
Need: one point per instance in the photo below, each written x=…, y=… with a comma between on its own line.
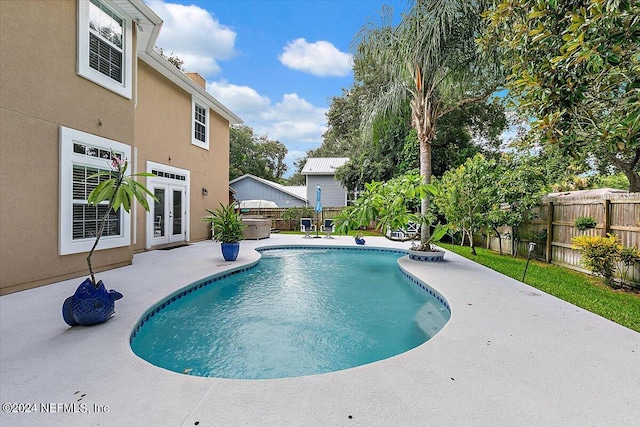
x=200, y=124
x=105, y=46
x=81, y=156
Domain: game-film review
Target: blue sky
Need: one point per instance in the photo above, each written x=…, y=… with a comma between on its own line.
x=275, y=63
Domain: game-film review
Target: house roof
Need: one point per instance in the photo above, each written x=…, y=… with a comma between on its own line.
x=149, y=25
x=299, y=192
x=147, y=22
x=323, y=165
x=587, y=193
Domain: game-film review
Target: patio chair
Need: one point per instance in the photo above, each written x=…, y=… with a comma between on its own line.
x=307, y=227
x=413, y=230
x=328, y=227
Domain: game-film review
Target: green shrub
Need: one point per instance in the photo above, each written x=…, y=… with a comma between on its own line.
x=627, y=258
x=599, y=255
x=293, y=215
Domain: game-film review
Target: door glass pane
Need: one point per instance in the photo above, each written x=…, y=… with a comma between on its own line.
x=158, y=213
x=177, y=212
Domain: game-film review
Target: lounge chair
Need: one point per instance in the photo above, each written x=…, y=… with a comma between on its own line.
x=328, y=228
x=307, y=227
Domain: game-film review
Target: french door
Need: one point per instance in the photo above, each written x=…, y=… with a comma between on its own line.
x=169, y=213
x=168, y=217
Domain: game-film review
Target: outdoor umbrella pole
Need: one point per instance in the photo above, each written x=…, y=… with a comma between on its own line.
x=318, y=208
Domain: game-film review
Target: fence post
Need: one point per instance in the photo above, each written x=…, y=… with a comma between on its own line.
x=549, y=232
x=606, y=223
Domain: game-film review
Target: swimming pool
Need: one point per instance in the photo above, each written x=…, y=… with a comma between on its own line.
x=299, y=311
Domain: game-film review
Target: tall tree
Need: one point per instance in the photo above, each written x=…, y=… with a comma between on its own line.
x=431, y=59
x=575, y=67
x=393, y=148
x=257, y=155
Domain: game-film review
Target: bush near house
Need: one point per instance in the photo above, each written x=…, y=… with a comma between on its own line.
x=293, y=215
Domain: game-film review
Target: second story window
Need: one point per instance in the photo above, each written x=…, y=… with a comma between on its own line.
x=199, y=131
x=200, y=125
x=105, y=46
x=105, y=41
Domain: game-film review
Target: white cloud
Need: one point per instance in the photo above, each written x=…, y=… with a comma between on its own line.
x=294, y=121
x=242, y=100
x=320, y=58
x=300, y=131
x=292, y=156
x=195, y=36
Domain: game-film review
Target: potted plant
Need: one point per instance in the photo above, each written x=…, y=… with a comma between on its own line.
x=92, y=303
x=585, y=223
x=227, y=228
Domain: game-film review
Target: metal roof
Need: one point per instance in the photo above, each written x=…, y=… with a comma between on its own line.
x=299, y=190
x=323, y=165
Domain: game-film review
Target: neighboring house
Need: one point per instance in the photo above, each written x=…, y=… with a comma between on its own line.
x=250, y=187
x=95, y=86
x=321, y=171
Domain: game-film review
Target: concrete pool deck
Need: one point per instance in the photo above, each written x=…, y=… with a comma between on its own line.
x=510, y=355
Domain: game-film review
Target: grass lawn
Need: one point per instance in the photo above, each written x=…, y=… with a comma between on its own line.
x=577, y=288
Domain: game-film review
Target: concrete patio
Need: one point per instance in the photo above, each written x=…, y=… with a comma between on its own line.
x=510, y=356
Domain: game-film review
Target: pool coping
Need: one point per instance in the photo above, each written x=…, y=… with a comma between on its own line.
x=509, y=355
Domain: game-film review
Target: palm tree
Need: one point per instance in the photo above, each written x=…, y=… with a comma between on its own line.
x=431, y=60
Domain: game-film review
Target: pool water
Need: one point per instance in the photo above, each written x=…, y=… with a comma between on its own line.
x=298, y=312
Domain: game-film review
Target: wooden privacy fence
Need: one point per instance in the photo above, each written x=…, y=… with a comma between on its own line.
x=553, y=228
x=279, y=223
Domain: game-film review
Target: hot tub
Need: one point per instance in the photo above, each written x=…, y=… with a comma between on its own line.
x=256, y=228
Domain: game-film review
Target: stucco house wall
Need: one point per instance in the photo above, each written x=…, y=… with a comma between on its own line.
x=39, y=92
x=47, y=105
x=163, y=135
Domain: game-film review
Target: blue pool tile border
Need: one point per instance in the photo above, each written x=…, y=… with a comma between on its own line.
x=225, y=274
x=442, y=300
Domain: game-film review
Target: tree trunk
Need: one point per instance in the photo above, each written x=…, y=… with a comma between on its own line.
x=634, y=180
x=471, y=245
x=425, y=172
x=499, y=241
x=424, y=125
x=629, y=169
